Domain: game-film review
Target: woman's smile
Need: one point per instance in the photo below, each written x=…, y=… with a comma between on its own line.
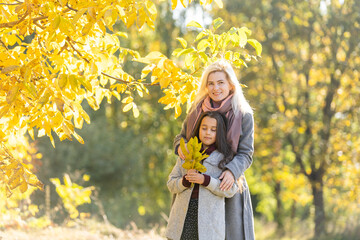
x=218, y=86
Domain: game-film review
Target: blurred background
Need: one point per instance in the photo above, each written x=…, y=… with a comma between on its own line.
x=305, y=92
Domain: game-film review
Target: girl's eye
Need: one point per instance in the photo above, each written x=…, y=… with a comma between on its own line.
x=213, y=130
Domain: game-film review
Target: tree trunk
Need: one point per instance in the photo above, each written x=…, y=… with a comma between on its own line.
x=317, y=186
x=279, y=209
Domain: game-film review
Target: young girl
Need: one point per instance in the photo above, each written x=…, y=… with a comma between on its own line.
x=199, y=212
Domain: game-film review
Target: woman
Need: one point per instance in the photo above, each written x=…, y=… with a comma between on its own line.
x=220, y=91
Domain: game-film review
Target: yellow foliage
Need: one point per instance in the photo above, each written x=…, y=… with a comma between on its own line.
x=72, y=194
x=180, y=83
x=193, y=156
x=56, y=54
x=15, y=164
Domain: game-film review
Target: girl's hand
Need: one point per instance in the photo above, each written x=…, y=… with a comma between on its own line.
x=194, y=176
x=228, y=180
x=181, y=154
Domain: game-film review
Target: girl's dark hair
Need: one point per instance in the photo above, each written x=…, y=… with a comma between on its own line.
x=221, y=142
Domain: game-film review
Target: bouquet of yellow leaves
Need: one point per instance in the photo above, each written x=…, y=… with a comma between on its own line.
x=194, y=156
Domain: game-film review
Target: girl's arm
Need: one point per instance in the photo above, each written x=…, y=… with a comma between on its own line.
x=243, y=158
x=214, y=187
x=174, y=182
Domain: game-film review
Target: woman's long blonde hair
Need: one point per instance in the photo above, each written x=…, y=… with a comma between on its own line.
x=239, y=103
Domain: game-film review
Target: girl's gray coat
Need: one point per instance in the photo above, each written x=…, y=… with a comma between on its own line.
x=211, y=212
x=239, y=213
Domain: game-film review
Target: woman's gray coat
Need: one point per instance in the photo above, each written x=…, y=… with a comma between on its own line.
x=238, y=209
x=211, y=205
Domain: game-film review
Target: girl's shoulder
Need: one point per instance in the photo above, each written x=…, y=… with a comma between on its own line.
x=215, y=157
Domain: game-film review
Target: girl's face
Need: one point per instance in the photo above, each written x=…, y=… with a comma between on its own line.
x=207, y=131
x=218, y=87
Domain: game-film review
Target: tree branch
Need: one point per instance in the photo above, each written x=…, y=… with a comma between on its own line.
x=67, y=4
x=105, y=74
x=298, y=158
x=13, y=23
x=9, y=4
x=77, y=51
x=4, y=45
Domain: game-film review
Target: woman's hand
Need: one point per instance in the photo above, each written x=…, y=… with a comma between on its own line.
x=181, y=154
x=228, y=180
x=194, y=176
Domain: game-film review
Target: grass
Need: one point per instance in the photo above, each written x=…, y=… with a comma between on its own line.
x=89, y=230
x=95, y=230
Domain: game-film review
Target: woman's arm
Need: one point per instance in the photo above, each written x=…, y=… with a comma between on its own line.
x=214, y=187
x=178, y=137
x=243, y=158
x=174, y=182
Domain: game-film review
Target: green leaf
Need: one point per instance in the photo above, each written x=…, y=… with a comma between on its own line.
x=128, y=100
x=182, y=41
x=201, y=35
x=243, y=37
x=185, y=51
x=177, y=51
x=151, y=7
x=203, y=44
x=194, y=24
x=217, y=23
x=204, y=57
x=136, y=112
x=256, y=45
x=219, y=3
x=153, y=57
x=127, y=107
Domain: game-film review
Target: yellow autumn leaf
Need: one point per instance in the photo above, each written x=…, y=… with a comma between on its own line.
x=78, y=137
x=11, y=95
x=192, y=159
x=219, y=3
x=182, y=41
x=136, y=112
x=23, y=186
x=127, y=107
x=173, y=4
x=256, y=45
x=194, y=24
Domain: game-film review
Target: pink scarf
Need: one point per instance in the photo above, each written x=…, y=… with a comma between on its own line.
x=234, y=122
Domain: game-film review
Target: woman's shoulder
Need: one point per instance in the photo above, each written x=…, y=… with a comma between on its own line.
x=248, y=116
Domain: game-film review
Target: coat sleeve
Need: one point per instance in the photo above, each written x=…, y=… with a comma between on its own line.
x=214, y=187
x=174, y=182
x=243, y=158
x=178, y=137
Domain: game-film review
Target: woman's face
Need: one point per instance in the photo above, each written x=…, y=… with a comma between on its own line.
x=207, y=131
x=218, y=86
